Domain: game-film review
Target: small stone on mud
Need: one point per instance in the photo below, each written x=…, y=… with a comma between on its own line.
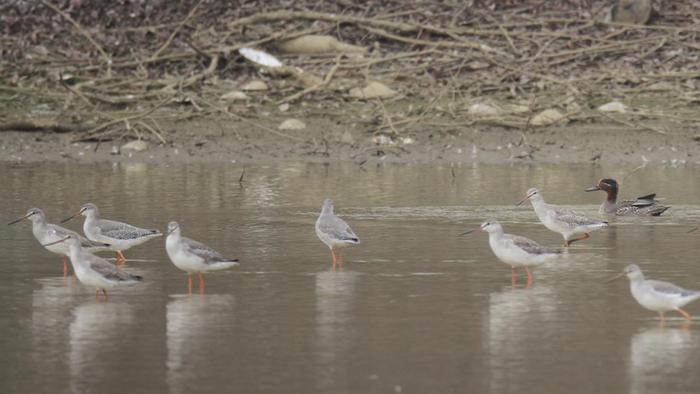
x=115, y=150
x=613, y=106
x=383, y=140
x=255, y=86
x=235, y=95
x=482, y=109
x=284, y=107
x=136, y=145
x=547, y=117
x=372, y=90
x=316, y=43
x=292, y=124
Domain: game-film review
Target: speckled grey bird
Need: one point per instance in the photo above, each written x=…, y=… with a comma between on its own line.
x=334, y=232
x=640, y=206
x=120, y=236
x=46, y=233
x=563, y=221
x=93, y=270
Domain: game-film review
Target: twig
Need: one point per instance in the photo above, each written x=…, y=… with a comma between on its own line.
x=94, y=130
x=316, y=87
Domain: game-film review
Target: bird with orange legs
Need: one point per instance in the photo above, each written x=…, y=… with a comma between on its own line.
x=563, y=221
x=193, y=257
x=515, y=250
x=46, y=233
x=334, y=232
x=93, y=270
x=120, y=236
x=656, y=295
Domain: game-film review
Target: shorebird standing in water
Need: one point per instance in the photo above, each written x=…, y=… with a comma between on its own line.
x=46, y=233
x=192, y=256
x=120, y=236
x=640, y=206
x=515, y=250
x=563, y=221
x=95, y=271
x=656, y=295
x=334, y=232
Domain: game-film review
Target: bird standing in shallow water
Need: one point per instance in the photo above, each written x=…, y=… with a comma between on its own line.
x=640, y=206
x=95, y=271
x=192, y=256
x=46, y=233
x=656, y=295
x=334, y=232
x=563, y=221
x=515, y=250
x=120, y=236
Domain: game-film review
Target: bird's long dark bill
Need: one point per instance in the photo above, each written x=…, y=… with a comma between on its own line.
x=467, y=232
x=687, y=232
x=616, y=277
x=55, y=242
x=69, y=218
x=592, y=189
x=18, y=220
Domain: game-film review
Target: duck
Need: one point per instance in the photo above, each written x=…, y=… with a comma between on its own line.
x=640, y=206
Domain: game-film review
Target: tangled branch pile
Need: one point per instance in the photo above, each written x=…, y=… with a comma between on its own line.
x=118, y=68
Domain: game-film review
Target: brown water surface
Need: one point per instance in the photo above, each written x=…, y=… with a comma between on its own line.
x=416, y=309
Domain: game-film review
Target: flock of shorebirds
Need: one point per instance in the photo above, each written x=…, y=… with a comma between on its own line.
x=196, y=258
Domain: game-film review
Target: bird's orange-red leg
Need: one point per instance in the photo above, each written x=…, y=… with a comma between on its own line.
x=529, y=277
x=65, y=266
x=189, y=284
x=201, y=283
x=512, y=276
x=685, y=314
x=584, y=236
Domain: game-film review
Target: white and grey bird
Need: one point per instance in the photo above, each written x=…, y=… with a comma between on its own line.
x=563, y=221
x=194, y=257
x=93, y=270
x=120, y=236
x=515, y=250
x=656, y=295
x=47, y=233
x=334, y=232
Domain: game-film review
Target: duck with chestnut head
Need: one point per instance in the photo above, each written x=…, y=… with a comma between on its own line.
x=641, y=206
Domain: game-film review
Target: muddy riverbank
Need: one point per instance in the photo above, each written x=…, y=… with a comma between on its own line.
x=342, y=140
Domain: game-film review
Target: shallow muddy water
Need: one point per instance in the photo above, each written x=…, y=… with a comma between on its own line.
x=416, y=308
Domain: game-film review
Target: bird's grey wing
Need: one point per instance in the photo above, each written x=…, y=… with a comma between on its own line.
x=574, y=219
x=337, y=228
x=119, y=230
x=109, y=270
x=670, y=289
x=651, y=197
x=202, y=250
x=530, y=246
